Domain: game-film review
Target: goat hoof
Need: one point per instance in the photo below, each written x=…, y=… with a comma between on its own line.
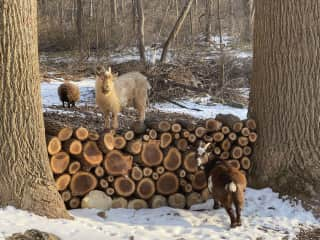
x=233, y=225
x=239, y=224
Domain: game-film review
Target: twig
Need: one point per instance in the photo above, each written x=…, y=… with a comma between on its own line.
x=178, y=104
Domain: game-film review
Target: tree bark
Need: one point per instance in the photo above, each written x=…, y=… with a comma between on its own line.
x=285, y=96
x=141, y=47
x=79, y=24
x=175, y=30
x=26, y=180
x=208, y=20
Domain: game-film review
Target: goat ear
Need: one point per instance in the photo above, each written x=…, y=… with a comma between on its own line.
x=100, y=70
x=115, y=74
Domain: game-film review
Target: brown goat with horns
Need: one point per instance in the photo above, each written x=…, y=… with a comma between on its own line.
x=226, y=184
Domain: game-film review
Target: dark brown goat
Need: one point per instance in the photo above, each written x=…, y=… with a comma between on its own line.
x=227, y=186
x=69, y=93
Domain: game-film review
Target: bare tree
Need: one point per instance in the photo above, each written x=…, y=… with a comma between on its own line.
x=175, y=30
x=208, y=20
x=285, y=96
x=139, y=7
x=26, y=180
x=79, y=24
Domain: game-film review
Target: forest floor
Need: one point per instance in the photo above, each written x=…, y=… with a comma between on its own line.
x=266, y=215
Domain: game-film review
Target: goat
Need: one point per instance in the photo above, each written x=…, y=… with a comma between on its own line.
x=69, y=93
x=225, y=183
x=114, y=92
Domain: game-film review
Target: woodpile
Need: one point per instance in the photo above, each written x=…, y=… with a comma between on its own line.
x=151, y=167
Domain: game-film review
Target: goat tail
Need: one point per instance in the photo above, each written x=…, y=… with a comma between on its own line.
x=231, y=187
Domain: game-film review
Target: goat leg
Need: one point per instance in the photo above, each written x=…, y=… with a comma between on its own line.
x=115, y=123
x=238, y=211
x=107, y=120
x=232, y=217
x=216, y=204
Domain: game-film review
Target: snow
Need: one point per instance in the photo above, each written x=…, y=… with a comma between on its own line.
x=265, y=216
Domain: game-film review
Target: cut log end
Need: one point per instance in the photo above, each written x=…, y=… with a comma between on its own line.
x=194, y=198
x=251, y=124
x=119, y=202
x=91, y=155
x=190, y=163
x=145, y=188
x=177, y=200
x=165, y=140
x=119, y=142
x=158, y=201
x=151, y=154
x=253, y=137
x=137, y=204
x=167, y=184
x=245, y=163
x=82, y=183
x=74, y=203
x=72, y=146
x=62, y=182
x=176, y=127
x=218, y=136
x=53, y=145
x=124, y=186
x=74, y=167
x=213, y=125
x=237, y=127
x=59, y=162
x=236, y=152
x=147, y=172
x=172, y=160
x=116, y=163
x=200, y=180
x=129, y=135
x=81, y=133
x=136, y=173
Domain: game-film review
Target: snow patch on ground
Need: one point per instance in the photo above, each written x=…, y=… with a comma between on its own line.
x=265, y=216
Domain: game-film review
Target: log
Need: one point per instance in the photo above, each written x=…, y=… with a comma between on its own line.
x=190, y=163
x=183, y=182
x=182, y=144
x=81, y=133
x=74, y=203
x=134, y=146
x=145, y=188
x=66, y=195
x=225, y=155
x=136, y=173
x=172, y=160
x=243, y=141
x=103, y=183
x=234, y=163
x=192, y=138
x=200, y=180
x=194, y=198
x=110, y=191
x=82, y=183
x=138, y=127
x=213, y=125
x=116, y=163
x=110, y=179
x=245, y=131
x=185, y=133
x=57, y=129
x=177, y=200
x=176, y=136
x=158, y=201
x=187, y=188
x=186, y=124
x=200, y=132
x=124, y=186
x=129, y=135
x=253, y=137
x=147, y=172
x=181, y=173
x=99, y=171
x=91, y=155
x=217, y=151
x=153, y=134
x=59, y=162
x=119, y=202
x=165, y=140
x=119, y=142
x=106, y=142
x=237, y=127
x=72, y=146
x=226, y=145
x=151, y=154
x=251, y=124
x=190, y=177
x=245, y=163
x=160, y=170
x=137, y=204
x=228, y=119
x=146, y=137
x=159, y=126
x=236, y=152
x=225, y=130
x=232, y=136
x=167, y=183
x=176, y=127
x=62, y=182
x=218, y=136
x=74, y=167
x=155, y=176
x=247, y=151
x=93, y=136
x=53, y=145
x=208, y=138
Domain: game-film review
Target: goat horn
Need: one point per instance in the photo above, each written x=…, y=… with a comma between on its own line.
x=206, y=146
x=100, y=69
x=109, y=69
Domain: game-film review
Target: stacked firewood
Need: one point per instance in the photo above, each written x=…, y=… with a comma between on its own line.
x=151, y=165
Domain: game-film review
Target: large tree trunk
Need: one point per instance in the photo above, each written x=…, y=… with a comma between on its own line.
x=26, y=180
x=208, y=20
x=139, y=7
x=245, y=32
x=175, y=30
x=285, y=95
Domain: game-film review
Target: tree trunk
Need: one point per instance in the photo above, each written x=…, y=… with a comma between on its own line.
x=245, y=32
x=285, y=96
x=175, y=30
x=208, y=20
x=26, y=180
x=79, y=24
x=140, y=12
x=114, y=17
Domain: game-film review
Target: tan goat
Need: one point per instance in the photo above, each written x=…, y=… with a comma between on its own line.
x=114, y=92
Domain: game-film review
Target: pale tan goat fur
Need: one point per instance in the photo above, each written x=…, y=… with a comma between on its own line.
x=127, y=90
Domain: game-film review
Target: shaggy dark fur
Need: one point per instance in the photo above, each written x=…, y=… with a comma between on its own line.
x=69, y=93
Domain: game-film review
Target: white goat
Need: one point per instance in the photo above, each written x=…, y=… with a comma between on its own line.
x=113, y=93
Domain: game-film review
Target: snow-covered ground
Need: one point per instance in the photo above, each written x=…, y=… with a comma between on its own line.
x=265, y=216
x=206, y=107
